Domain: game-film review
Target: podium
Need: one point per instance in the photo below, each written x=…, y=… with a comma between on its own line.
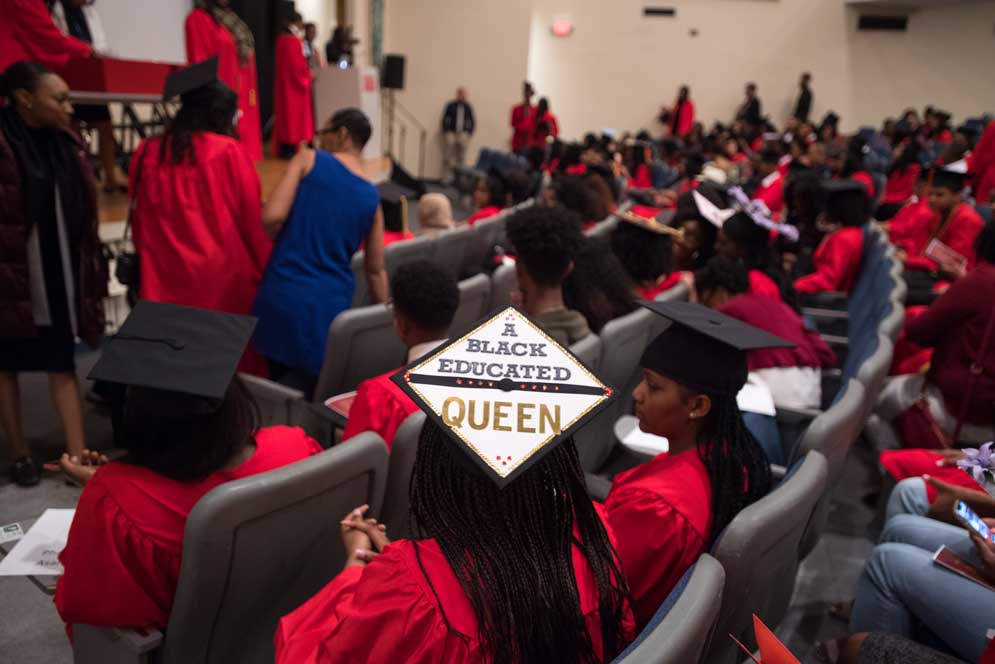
x=355, y=87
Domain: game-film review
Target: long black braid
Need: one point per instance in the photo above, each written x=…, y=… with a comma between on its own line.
x=737, y=465
x=511, y=551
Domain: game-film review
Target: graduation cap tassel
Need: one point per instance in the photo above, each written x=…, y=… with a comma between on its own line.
x=404, y=215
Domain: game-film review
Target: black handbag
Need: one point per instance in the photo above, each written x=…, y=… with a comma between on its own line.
x=126, y=263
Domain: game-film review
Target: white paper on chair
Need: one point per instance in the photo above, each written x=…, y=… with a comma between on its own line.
x=37, y=553
x=627, y=431
x=755, y=397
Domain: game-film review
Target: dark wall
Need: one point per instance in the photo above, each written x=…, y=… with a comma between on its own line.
x=259, y=16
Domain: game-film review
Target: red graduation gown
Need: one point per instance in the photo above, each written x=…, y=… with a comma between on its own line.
x=539, y=134
x=249, y=128
x=294, y=117
x=864, y=178
x=913, y=230
x=761, y=284
x=901, y=185
x=771, y=192
x=198, y=229
x=903, y=464
x=521, y=125
x=981, y=165
x=28, y=33
x=380, y=406
x=642, y=179
x=779, y=319
x=661, y=513
x=685, y=118
x=664, y=284
x=836, y=259
x=483, y=213
x=205, y=38
x=122, y=558
x=389, y=612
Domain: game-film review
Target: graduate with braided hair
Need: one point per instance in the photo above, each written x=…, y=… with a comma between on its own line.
x=668, y=511
x=501, y=568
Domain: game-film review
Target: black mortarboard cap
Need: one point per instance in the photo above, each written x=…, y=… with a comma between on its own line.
x=176, y=349
x=192, y=78
x=286, y=11
x=947, y=177
x=394, y=200
x=704, y=349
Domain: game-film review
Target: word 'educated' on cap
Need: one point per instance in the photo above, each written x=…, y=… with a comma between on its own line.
x=505, y=392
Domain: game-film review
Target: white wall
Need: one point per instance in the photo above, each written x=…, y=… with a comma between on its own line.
x=145, y=29
x=619, y=67
x=322, y=14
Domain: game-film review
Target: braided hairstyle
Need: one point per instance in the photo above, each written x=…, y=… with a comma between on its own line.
x=511, y=549
x=737, y=466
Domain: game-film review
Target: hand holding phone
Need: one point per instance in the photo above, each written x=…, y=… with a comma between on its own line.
x=969, y=518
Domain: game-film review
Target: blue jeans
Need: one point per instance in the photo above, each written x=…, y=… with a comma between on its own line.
x=902, y=589
x=908, y=497
x=764, y=429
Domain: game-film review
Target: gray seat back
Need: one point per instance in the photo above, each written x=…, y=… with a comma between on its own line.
x=483, y=236
x=474, y=299
x=361, y=344
x=449, y=248
x=256, y=548
x=589, y=350
x=504, y=282
x=274, y=400
x=680, y=635
x=873, y=372
x=397, y=501
x=407, y=251
x=758, y=551
x=891, y=326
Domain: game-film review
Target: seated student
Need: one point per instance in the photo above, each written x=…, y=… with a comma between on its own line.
x=837, y=258
x=577, y=194
x=741, y=239
x=394, y=202
x=435, y=213
x=424, y=299
x=488, y=198
x=546, y=241
x=771, y=189
x=645, y=252
x=189, y=425
x=846, y=163
x=902, y=178
x=667, y=512
x=947, y=219
x=598, y=286
x=696, y=245
x=793, y=375
x=521, y=573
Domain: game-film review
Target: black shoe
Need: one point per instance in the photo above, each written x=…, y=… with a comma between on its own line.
x=25, y=472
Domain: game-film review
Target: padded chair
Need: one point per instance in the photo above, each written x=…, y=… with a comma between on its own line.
x=274, y=400
x=589, y=350
x=482, y=238
x=873, y=372
x=448, y=249
x=504, y=281
x=758, y=551
x=408, y=251
x=891, y=326
x=361, y=344
x=396, y=502
x=682, y=627
x=253, y=550
x=474, y=300
x=603, y=229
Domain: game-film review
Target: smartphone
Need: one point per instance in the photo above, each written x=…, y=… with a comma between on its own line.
x=971, y=520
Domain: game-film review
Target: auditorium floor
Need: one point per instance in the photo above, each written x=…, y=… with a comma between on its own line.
x=31, y=633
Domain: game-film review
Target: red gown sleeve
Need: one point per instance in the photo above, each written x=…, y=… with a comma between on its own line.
x=200, y=30
x=656, y=545
x=293, y=69
x=247, y=201
x=964, y=229
x=115, y=575
x=836, y=263
x=39, y=37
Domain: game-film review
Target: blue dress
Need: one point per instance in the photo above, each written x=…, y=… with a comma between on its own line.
x=308, y=281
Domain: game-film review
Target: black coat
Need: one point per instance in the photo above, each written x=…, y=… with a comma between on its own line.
x=449, y=117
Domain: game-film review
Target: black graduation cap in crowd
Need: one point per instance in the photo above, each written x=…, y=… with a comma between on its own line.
x=174, y=348
x=394, y=202
x=704, y=349
x=190, y=79
x=505, y=392
x=952, y=176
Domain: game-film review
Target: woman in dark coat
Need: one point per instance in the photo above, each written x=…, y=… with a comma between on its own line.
x=53, y=277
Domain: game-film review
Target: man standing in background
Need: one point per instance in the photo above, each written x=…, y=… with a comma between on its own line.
x=749, y=110
x=315, y=60
x=457, y=128
x=804, y=104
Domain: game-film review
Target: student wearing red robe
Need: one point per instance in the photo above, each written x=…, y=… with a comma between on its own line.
x=488, y=198
x=522, y=117
x=902, y=178
x=206, y=38
x=865, y=179
x=27, y=32
x=425, y=300
x=544, y=125
x=667, y=511
x=476, y=586
x=197, y=218
x=771, y=189
x=981, y=165
x=292, y=108
x=741, y=239
x=122, y=556
x=682, y=115
x=837, y=258
x=947, y=219
x=646, y=254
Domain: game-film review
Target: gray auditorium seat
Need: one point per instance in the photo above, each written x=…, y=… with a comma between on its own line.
x=503, y=282
x=403, y=449
x=361, y=344
x=483, y=236
x=873, y=372
x=448, y=249
x=681, y=629
x=274, y=400
x=891, y=326
x=603, y=229
x=759, y=550
x=407, y=251
x=678, y=293
x=253, y=550
x=589, y=350
x=474, y=300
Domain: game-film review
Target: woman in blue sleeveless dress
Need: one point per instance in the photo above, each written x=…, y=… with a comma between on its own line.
x=319, y=214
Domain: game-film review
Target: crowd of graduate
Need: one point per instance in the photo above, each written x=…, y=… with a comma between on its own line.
x=753, y=222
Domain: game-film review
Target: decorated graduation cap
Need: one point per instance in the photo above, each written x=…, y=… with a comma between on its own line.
x=394, y=202
x=176, y=349
x=952, y=176
x=704, y=349
x=505, y=392
x=194, y=78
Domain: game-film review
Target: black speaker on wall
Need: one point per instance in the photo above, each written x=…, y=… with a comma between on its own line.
x=393, y=72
